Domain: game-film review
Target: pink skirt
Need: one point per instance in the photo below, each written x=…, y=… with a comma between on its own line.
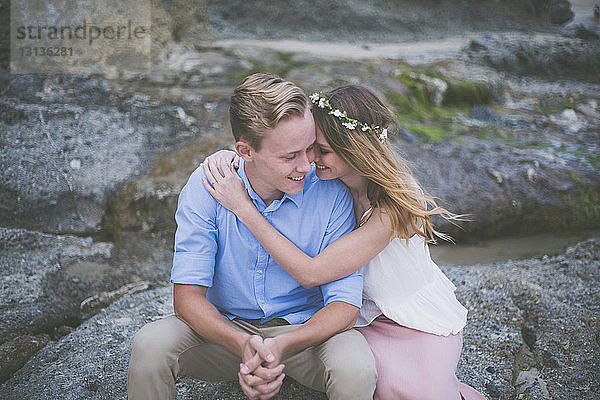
x=415, y=365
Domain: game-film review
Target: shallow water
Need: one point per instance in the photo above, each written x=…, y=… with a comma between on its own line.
x=511, y=248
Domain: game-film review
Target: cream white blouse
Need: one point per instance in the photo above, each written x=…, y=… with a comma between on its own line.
x=403, y=283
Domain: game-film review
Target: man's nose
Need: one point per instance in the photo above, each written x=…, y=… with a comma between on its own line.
x=304, y=165
x=311, y=155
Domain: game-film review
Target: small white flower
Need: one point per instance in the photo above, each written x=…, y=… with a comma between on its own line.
x=366, y=128
x=337, y=113
x=314, y=97
x=383, y=135
x=349, y=125
x=322, y=102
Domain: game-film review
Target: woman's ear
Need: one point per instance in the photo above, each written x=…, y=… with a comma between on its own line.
x=245, y=150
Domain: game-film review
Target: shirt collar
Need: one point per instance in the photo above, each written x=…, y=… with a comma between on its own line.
x=295, y=198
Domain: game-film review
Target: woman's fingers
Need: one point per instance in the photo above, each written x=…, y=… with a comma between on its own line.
x=216, y=174
x=228, y=190
x=218, y=167
x=229, y=172
x=208, y=187
x=223, y=160
x=219, y=162
x=208, y=172
x=213, y=192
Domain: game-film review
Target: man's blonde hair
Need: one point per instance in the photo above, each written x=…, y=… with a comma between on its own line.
x=260, y=102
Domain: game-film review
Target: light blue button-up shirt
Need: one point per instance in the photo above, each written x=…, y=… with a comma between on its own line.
x=214, y=249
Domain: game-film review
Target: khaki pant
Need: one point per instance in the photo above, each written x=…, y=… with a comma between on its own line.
x=343, y=366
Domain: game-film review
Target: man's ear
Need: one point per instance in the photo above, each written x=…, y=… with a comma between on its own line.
x=245, y=150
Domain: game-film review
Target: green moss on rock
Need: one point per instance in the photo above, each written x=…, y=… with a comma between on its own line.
x=467, y=93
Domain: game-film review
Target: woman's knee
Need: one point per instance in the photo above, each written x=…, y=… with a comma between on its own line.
x=433, y=392
x=389, y=388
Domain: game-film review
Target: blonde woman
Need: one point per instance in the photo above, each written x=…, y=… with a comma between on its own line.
x=410, y=316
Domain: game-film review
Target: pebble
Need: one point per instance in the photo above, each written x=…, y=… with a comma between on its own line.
x=75, y=163
x=493, y=390
x=92, y=384
x=531, y=175
x=87, y=242
x=485, y=113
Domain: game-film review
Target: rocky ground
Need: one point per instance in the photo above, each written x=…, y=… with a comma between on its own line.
x=533, y=332
x=502, y=125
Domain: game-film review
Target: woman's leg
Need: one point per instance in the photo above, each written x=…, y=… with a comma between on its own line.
x=412, y=364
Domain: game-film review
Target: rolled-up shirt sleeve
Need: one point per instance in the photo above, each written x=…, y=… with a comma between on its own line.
x=196, y=235
x=341, y=222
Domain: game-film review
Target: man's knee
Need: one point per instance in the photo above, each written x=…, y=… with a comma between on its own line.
x=351, y=372
x=153, y=364
x=157, y=341
x=355, y=376
x=149, y=340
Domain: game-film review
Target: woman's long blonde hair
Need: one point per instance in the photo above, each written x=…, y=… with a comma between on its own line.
x=391, y=186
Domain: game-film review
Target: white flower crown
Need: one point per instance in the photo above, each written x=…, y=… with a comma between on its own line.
x=321, y=101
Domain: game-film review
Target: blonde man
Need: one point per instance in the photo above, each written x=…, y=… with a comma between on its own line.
x=238, y=315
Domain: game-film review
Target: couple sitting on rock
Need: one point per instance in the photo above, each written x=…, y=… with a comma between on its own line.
x=268, y=254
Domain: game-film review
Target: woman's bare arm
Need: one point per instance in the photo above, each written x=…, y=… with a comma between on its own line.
x=339, y=259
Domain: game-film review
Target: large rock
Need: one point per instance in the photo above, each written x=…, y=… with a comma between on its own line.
x=50, y=283
x=542, y=55
x=199, y=21
x=379, y=20
x=532, y=333
x=506, y=190
x=518, y=179
x=69, y=142
x=552, y=305
x=44, y=278
x=560, y=12
x=93, y=156
x=92, y=361
x=15, y=352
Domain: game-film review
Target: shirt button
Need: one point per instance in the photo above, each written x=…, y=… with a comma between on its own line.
x=260, y=271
